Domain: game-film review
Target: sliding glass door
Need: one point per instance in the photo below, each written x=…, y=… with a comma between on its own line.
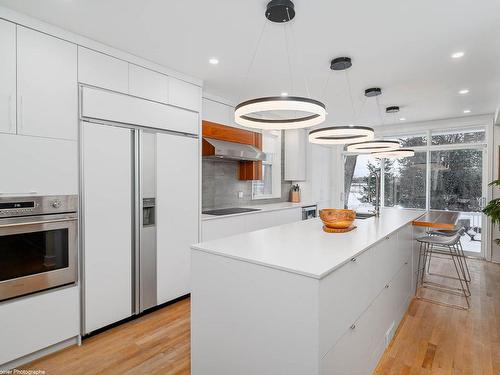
x=448, y=172
x=457, y=184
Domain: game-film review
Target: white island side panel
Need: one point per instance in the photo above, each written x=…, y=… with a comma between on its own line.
x=247, y=319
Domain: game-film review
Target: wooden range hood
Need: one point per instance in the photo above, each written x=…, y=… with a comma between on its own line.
x=249, y=170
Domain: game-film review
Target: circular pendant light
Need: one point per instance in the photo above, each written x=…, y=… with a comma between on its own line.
x=377, y=145
x=280, y=112
x=275, y=113
x=336, y=135
x=395, y=154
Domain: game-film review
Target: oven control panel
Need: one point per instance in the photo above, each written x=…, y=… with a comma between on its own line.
x=37, y=205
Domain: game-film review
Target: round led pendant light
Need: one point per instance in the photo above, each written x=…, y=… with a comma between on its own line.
x=280, y=112
x=377, y=145
x=252, y=113
x=395, y=154
x=336, y=135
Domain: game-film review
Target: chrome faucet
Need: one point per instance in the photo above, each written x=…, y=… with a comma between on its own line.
x=376, y=211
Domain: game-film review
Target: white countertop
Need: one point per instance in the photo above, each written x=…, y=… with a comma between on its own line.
x=265, y=207
x=304, y=248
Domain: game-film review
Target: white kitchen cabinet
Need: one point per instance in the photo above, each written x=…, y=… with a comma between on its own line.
x=38, y=165
x=148, y=84
x=112, y=106
x=217, y=112
x=344, y=295
x=36, y=322
x=266, y=219
x=229, y=226
x=47, y=92
x=177, y=167
x=295, y=155
x=98, y=69
x=7, y=77
x=184, y=94
x=107, y=195
x=222, y=227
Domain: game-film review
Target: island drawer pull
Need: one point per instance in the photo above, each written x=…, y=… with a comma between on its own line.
x=353, y=326
x=387, y=286
x=354, y=259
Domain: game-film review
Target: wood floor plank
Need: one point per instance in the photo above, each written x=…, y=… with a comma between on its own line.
x=435, y=339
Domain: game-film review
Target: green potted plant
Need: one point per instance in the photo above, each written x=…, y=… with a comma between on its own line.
x=492, y=209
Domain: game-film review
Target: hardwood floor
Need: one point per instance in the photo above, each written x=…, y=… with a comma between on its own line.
x=434, y=339
x=431, y=339
x=157, y=343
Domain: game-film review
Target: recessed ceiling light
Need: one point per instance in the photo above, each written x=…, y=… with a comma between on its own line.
x=467, y=111
x=463, y=91
x=284, y=94
x=457, y=55
x=213, y=61
x=402, y=119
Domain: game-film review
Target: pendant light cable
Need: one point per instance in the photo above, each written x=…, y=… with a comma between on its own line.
x=354, y=117
x=301, y=61
x=254, y=55
x=288, y=59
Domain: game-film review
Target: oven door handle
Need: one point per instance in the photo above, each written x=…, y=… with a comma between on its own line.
x=18, y=223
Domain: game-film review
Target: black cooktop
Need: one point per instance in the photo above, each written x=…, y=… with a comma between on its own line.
x=229, y=211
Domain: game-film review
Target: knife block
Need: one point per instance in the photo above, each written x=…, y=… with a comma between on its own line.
x=295, y=196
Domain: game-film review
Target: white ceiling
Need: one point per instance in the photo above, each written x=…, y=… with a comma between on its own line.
x=402, y=46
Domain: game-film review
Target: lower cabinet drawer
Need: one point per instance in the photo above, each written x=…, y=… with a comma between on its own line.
x=37, y=322
x=360, y=347
x=344, y=295
x=353, y=352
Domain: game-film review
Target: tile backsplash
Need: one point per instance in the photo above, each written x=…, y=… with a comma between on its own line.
x=220, y=186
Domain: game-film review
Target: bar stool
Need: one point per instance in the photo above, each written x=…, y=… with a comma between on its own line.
x=460, y=249
x=445, y=245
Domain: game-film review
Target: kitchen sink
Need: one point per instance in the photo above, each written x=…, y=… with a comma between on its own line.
x=230, y=211
x=364, y=215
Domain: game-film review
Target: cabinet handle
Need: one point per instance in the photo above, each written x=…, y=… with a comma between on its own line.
x=20, y=124
x=387, y=238
x=11, y=114
x=406, y=263
x=354, y=259
x=387, y=286
x=353, y=326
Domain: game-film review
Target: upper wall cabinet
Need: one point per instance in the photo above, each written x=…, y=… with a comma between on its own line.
x=47, y=93
x=295, y=155
x=7, y=77
x=185, y=95
x=98, y=69
x=148, y=84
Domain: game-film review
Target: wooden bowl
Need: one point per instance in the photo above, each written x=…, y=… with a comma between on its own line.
x=334, y=218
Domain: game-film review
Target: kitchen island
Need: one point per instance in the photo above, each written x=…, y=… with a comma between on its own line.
x=294, y=300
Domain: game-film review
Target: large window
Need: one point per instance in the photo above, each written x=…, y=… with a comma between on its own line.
x=360, y=182
x=456, y=180
x=270, y=185
x=405, y=181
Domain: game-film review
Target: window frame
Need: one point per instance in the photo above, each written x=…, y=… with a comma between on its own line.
x=428, y=148
x=275, y=165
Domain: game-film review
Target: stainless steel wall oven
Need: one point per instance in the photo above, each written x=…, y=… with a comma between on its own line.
x=38, y=243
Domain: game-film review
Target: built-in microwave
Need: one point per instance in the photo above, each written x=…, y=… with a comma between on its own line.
x=309, y=212
x=38, y=243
